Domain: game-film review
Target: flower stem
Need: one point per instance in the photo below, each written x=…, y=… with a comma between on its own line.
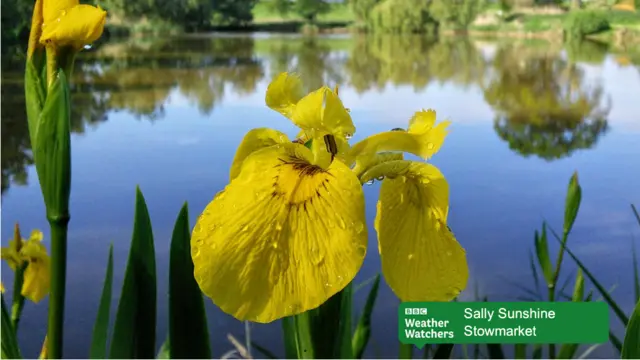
x=18, y=300
x=58, y=284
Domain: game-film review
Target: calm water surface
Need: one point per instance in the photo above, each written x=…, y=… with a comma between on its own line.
x=167, y=114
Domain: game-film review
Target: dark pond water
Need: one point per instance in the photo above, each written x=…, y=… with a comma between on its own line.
x=167, y=114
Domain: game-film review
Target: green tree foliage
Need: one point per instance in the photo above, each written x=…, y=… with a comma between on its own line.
x=281, y=7
x=16, y=20
x=310, y=9
x=402, y=16
x=581, y=23
x=457, y=14
x=362, y=9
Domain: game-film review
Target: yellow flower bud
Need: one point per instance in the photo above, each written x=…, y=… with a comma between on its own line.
x=75, y=27
x=54, y=9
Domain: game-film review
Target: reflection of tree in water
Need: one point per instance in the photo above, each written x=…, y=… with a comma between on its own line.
x=542, y=106
x=413, y=60
x=134, y=78
x=318, y=61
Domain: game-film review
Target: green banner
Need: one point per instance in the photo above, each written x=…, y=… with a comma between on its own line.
x=422, y=323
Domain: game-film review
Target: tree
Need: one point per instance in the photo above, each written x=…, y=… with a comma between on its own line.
x=362, y=9
x=456, y=13
x=310, y=9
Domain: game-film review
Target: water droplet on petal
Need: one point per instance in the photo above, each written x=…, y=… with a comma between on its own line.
x=341, y=223
x=316, y=256
x=245, y=228
x=348, y=136
x=197, y=227
x=410, y=256
x=339, y=278
x=274, y=244
x=370, y=182
x=88, y=47
x=380, y=178
x=401, y=198
x=359, y=227
x=361, y=250
x=449, y=253
x=278, y=226
x=403, y=179
x=430, y=146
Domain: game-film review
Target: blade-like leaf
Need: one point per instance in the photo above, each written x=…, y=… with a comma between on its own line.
x=534, y=272
x=495, y=351
x=363, y=329
x=298, y=337
x=615, y=342
x=187, y=319
x=268, y=354
x=542, y=252
x=572, y=203
x=331, y=326
x=578, y=289
x=134, y=333
x=631, y=344
x=34, y=97
x=537, y=351
x=101, y=327
x=290, y=338
x=165, y=350
x=53, y=149
x=406, y=351
x=520, y=351
x=443, y=351
x=636, y=271
x=605, y=294
x=10, y=349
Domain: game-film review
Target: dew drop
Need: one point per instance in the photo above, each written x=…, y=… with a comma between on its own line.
x=430, y=146
x=361, y=250
x=370, y=182
x=88, y=47
x=339, y=278
x=449, y=253
x=245, y=228
x=403, y=179
x=380, y=178
x=401, y=198
x=197, y=227
x=316, y=256
x=359, y=227
x=274, y=244
x=341, y=223
x=278, y=226
x=410, y=256
x=348, y=136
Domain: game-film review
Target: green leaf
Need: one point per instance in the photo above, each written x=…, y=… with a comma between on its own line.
x=101, y=327
x=165, y=350
x=187, y=319
x=10, y=349
x=134, y=333
x=534, y=272
x=495, y=351
x=631, y=345
x=572, y=203
x=537, y=351
x=363, y=329
x=605, y=294
x=268, y=354
x=34, y=91
x=331, y=326
x=298, y=336
x=520, y=351
x=406, y=351
x=52, y=152
x=290, y=338
x=443, y=351
x=615, y=342
x=578, y=289
x=542, y=252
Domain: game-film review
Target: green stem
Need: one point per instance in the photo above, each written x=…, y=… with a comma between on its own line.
x=406, y=351
x=552, y=288
x=58, y=284
x=18, y=299
x=304, y=342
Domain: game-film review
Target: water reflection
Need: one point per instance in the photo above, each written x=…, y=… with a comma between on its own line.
x=542, y=102
x=543, y=106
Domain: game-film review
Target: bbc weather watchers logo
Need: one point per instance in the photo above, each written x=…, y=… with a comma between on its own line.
x=415, y=311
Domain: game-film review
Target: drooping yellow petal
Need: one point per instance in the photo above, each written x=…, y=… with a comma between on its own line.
x=36, y=235
x=321, y=112
x=44, y=352
x=421, y=259
x=422, y=139
x=255, y=139
x=1, y=288
x=284, y=92
x=79, y=26
x=364, y=163
x=37, y=274
x=283, y=236
x=54, y=9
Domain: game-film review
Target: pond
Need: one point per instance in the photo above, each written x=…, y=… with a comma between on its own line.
x=167, y=114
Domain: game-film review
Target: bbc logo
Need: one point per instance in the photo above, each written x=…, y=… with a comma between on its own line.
x=415, y=311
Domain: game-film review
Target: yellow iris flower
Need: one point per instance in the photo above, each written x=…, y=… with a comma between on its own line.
x=36, y=275
x=289, y=230
x=69, y=23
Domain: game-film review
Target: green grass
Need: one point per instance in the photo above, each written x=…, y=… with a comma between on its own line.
x=263, y=14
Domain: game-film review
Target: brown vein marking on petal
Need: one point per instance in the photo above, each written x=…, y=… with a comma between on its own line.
x=304, y=170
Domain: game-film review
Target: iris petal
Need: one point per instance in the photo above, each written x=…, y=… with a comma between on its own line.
x=78, y=26
x=282, y=238
x=421, y=259
x=283, y=93
x=254, y=140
